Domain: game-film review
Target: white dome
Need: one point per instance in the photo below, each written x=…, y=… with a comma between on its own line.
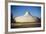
x=26, y=18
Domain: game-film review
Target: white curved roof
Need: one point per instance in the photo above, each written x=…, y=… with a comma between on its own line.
x=26, y=18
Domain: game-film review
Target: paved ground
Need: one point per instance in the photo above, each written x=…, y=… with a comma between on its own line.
x=25, y=25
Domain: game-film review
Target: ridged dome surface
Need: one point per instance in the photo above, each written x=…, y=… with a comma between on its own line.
x=27, y=17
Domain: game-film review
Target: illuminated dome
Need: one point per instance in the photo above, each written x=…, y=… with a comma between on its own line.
x=27, y=17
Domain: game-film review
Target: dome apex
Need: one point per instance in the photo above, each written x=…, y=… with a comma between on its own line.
x=27, y=13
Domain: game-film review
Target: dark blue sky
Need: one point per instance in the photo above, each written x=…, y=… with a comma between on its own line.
x=20, y=10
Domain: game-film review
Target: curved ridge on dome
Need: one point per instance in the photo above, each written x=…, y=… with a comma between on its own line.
x=27, y=13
